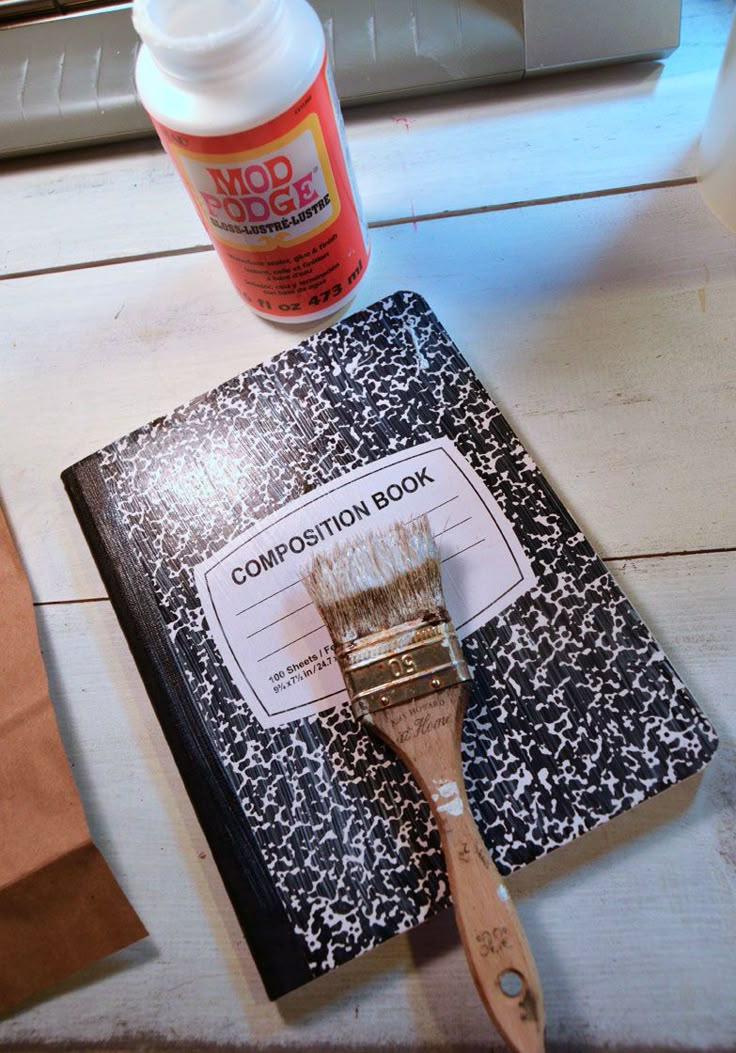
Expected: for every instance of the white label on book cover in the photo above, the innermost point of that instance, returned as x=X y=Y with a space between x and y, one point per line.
x=270 y=635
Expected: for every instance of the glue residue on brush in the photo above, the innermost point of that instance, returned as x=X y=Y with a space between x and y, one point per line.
x=241 y=95
x=448 y=792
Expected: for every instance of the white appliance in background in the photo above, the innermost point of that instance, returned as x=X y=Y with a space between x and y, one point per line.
x=66 y=66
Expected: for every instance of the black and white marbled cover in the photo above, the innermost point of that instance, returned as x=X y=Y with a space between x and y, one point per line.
x=320 y=834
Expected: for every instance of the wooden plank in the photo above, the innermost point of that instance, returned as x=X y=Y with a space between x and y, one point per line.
x=632 y=925
x=603 y=328
x=576 y=133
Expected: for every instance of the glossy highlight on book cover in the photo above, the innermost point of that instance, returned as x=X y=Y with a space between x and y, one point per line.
x=199 y=523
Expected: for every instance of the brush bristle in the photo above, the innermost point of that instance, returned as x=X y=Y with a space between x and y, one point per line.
x=380 y=580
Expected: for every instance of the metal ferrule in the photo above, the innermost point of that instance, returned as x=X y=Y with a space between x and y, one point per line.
x=401 y=663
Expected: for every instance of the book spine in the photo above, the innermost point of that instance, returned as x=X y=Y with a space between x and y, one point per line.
x=277 y=950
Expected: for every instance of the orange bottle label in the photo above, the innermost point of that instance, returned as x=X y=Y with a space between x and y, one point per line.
x=278 y=202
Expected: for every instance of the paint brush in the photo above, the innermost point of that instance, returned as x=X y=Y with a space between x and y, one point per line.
x=381 y=599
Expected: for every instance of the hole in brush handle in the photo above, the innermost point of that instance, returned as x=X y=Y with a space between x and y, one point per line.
x=511 y=983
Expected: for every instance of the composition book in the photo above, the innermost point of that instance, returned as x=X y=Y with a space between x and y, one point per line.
x=200 y=523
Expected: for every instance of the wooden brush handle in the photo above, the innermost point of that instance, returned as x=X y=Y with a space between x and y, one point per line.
x=426 y=735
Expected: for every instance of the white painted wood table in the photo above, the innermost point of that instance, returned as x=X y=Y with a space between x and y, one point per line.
x=556 y=229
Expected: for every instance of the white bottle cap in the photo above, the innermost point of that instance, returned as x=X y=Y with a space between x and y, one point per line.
x=192 y=40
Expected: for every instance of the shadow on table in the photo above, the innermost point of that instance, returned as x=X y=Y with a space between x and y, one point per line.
x=632 y=78
x=104 y=969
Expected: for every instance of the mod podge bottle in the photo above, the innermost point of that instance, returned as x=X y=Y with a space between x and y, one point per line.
x=241 y=95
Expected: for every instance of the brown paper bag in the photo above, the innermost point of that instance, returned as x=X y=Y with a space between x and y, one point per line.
x=60 y=906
